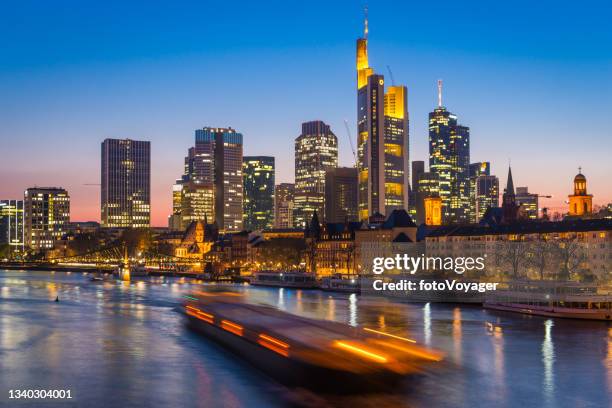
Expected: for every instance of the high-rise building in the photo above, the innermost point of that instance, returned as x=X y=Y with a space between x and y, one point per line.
x=449 y=157
x=528 y=203
x=46 y=216
x=382 y=139
x=580 y=203
x=316 y=152
x=126 y=183
x=486 y=195
x=476 y=170
x=428 y=186
x=283 y=205
x=258 y=175
x=418 y=168
x=341 y=194
x=212 y=185
x=11 y=224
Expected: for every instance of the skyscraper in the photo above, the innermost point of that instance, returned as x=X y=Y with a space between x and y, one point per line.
x=449 y=157
x=258 y=175
x=46 y=215
x=11 y=224
x=212 y=186
x=486 y=195
x=428 y=186
x=382 y=139
x=476 y=170
x=528 y=203
x=283 y=205
x=341 y=194
x=316 y=152
x=126 y=183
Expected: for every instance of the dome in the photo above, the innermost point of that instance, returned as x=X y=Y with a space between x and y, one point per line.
x=579 y=177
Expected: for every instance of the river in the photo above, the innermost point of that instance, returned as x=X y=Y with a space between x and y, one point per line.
x=124 y=345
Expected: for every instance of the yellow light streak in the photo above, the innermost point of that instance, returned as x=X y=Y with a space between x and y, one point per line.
x=361 y=352
x=389 y=335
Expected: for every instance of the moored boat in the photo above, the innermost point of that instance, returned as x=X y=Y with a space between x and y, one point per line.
x=552 y=299
x=300 y=280
x=341 y=283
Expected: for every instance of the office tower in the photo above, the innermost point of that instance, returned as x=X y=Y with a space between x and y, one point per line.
x=126 y=183
x=428 y=185
x=197 y=203
x=11 y=224
x=316 y=151
x=449 y=157
x=212 y=186
x=509 y=206
x=528 y=203
x=46 y=215
x=486 y=195
x=283 y=205
x=174 y=219
x=396 y=162
x=382 y=139
x=258 y=175
x=341 y=194
x=476 y=170
x=580 y=203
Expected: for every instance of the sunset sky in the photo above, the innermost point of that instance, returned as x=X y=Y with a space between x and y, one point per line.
x=532 y=80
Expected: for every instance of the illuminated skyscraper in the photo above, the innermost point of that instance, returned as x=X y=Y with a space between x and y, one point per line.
x=126 y=183
x=11 y=224
x=46 y=215
x=382 y=139
x=449 y=157
x=258 y=175
x=476 y=170
x=212 y=186
x=283 y=205
x=428 y=186
x=341 y=194
x=316 y=152
x=486 y=195
x=528 y=203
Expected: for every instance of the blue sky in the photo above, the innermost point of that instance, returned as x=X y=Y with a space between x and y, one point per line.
x=532 y=80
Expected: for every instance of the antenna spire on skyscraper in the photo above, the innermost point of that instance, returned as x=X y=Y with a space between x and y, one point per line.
x=439 y=93
x=365 y=27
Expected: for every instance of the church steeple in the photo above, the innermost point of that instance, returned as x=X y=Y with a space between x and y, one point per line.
x=510 y=183
x=509 y=207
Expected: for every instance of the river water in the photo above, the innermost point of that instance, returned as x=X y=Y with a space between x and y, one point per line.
x=120 y=345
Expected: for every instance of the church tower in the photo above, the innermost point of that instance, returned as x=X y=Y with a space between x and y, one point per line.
x=580 y=203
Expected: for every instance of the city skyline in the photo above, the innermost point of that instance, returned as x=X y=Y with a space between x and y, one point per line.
x=545 y=125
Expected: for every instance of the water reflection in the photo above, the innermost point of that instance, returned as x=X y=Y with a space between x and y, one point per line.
x=127 y=343
x=548 y=358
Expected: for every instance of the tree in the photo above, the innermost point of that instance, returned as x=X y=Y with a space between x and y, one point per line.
x=512 y=254
x=571 y=255
x=538 y=255
x=284 y=251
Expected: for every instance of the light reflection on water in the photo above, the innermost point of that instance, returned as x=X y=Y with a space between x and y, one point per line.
x=116 y=344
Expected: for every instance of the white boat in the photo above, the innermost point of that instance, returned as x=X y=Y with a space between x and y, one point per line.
x=552 y=299
x=284 y=279
x=341 y=283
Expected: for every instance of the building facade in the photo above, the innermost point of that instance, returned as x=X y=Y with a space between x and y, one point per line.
x=11 y=224
x=449 y=157
x=382 y=139
x=46 y=216
x=283 y=205
x=428 y=186
x=528 y=203
x=476 y=170
x=258 y=205
x=316 y=152
x=486 y=195
x=212 y=184
x=341 y=192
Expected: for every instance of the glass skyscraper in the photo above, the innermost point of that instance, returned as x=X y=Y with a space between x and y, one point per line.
x=283 y=205
x=449 y=158
x=382 y=140
x=316 y=152
x=46 y=215
x=126 y=183
x=11 y=224
x=341 y=195
x=258 y=175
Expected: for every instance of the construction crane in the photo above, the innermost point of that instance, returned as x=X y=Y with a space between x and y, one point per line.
x=350 y=138
x=391 y=75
